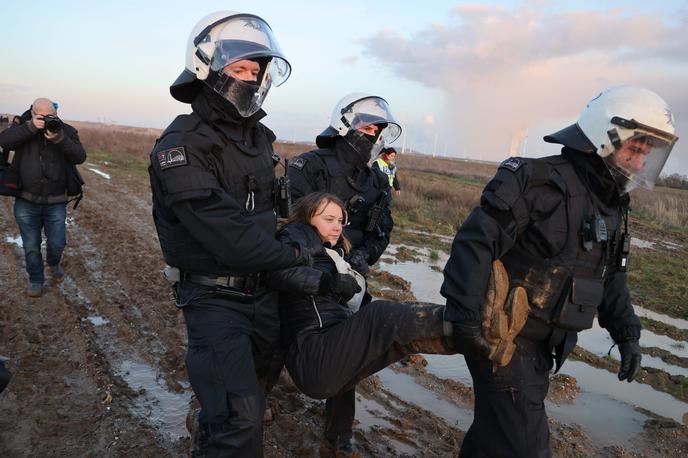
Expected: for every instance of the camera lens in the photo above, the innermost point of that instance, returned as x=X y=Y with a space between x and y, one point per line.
x=52 y=123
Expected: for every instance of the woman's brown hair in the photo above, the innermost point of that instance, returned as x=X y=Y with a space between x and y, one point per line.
x=307 y=207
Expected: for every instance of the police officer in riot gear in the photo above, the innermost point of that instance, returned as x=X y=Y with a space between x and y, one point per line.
x=212 y=178
x=360 y=126
x=559 y=225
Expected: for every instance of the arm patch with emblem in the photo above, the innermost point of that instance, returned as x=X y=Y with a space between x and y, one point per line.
x=172 y=157
x=513 y=164
x=298 y=163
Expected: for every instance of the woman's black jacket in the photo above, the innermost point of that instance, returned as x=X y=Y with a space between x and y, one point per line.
x=303 y=310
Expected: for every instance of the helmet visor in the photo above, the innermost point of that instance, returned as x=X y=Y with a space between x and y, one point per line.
x=248 y=37
x=372 y=110
x=245 y=44
x=639 y=160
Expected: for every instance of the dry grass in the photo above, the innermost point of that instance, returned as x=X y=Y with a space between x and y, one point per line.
x=667 y=207
x=435 y=202
x=437 y=193
x=480 y=171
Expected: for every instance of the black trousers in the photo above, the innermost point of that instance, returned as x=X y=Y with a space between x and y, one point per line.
x=509 y=417
x=340 y=412
x=230 y=348
x=329 y=362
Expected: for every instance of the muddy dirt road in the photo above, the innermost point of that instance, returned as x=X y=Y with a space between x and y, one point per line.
x=98 y=360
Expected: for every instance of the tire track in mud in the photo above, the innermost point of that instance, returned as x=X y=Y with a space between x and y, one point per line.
x=53 y=405
x=119 y=264
x=69 y=361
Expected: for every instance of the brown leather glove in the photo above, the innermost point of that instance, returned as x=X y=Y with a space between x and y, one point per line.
x=504 y=315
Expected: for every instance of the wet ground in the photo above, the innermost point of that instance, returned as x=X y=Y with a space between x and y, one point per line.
x=98 y=360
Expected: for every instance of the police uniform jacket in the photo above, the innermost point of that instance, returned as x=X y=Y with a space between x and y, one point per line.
x=304 y=307
x=339 y=170
x=212 y=179
x=41 y=163
x=538 y=216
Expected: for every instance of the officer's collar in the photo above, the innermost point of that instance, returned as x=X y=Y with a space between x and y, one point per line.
x=595 y=173
x=218 y=111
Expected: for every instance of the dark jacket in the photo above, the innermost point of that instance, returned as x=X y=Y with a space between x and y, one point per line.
x=532 y=216
x=338 y=170
x=212 y=178
x=42 y=164
x=303 y=309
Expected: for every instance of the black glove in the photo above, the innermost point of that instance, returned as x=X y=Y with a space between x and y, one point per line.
x=630 y=360
x=341 y=285
x=467 y=339
x=359 y=261
x=346 y=286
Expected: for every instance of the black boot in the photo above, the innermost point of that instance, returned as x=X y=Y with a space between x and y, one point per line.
x=199 y=436
x=344 y=447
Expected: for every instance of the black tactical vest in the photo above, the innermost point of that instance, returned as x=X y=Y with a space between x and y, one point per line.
x=566 y=287
x=246 y=173
x=359 y=197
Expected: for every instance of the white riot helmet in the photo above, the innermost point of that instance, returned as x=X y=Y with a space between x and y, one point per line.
x=358 y=110
x=221 y=39
x=631 y=128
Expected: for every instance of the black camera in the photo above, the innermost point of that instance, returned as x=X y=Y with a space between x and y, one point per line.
x=52 y=123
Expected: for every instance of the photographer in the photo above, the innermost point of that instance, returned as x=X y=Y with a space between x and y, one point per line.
x=44 y=147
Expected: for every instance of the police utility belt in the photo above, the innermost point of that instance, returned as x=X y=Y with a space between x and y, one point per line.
x=238 y=287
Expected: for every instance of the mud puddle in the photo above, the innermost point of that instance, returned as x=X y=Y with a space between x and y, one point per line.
x=372 y=417
x=152 y=402
x=94 y=168
x=14 y=240
x=650 y=245
x=666 y=319
x=597 y=341
x=161 y=408
x=407 y=389
x=96 y=320
x=603 y=382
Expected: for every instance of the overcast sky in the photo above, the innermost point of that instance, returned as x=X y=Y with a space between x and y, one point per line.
x=478 y=80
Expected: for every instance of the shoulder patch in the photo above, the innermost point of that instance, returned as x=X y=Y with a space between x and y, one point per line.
x=172 y=157
x=513 y=164
x=298 y=163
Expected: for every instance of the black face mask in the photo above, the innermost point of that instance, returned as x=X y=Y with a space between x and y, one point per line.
x=372 y=138
x=239 y=93
x=362 y=144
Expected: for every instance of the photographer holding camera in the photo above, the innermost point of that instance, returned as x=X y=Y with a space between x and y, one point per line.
x=44 y=148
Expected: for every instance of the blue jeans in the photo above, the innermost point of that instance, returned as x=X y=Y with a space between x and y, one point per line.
x=31 y=218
